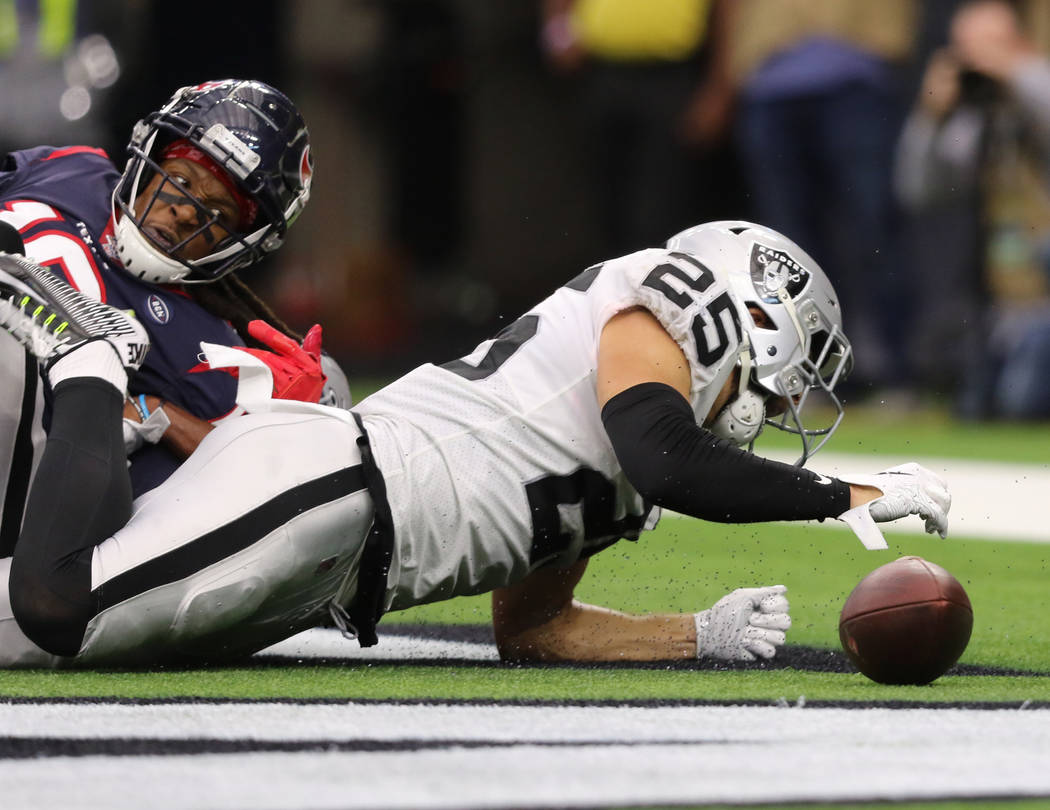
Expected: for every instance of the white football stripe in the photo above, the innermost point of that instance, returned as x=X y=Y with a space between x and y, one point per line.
x=325 y=643
x=690 y=754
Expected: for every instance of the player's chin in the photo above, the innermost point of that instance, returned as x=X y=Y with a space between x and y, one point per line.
x=775 y=406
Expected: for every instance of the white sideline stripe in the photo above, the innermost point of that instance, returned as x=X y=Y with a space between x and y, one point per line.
x=691 y=754
x=326 y=643
x=990 y=499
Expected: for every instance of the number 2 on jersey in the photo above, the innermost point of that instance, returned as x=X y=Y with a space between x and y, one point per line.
x=708 y=351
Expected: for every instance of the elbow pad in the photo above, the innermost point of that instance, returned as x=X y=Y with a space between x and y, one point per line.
x=675 y=463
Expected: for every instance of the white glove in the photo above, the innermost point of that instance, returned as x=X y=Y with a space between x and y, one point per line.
x=909 y=489
x=138 y=433
x=746 y=623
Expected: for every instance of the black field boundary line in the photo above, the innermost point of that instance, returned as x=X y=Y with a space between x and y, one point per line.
x=44 y=747
x=803 y=659
x=790 y=656
x=983 y=705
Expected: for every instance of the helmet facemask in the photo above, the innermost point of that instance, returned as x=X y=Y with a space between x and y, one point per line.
x=253 y=140
x=153 y=259
x=794 y=352
x=806 y=384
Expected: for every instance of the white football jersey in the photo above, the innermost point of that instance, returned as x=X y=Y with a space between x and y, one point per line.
x=498 y=463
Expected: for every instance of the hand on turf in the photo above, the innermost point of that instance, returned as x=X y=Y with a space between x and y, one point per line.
x=743 y=625
x=909 y=489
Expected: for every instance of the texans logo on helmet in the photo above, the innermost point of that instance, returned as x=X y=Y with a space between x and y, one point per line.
x=773 y=270
x=306 y=168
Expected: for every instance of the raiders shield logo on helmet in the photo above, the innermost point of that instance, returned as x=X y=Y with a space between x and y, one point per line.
x=773 y=269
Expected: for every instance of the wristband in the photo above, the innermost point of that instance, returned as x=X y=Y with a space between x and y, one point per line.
x=149 y=430
x=141 y=407
x=703 y=622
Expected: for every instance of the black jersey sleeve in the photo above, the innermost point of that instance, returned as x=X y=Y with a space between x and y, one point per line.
x=674 y=462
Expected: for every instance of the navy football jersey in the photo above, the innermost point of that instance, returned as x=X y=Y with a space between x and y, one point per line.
x=59 y=200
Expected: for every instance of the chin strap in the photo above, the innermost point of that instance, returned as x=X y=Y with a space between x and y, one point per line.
x=741 y=419
x=745 y=363
x=789 y=307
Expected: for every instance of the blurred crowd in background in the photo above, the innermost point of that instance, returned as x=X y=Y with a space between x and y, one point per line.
x=471 y=156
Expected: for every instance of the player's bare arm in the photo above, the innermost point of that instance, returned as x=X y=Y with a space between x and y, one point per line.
x=183 y=431
x=538 y=619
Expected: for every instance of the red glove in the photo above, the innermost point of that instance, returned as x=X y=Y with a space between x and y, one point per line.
x=296 y=369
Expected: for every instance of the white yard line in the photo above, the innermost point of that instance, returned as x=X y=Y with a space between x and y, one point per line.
x=543 y=756
x=327 y=643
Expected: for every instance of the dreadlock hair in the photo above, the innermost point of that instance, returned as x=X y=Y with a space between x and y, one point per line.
x=232 y=300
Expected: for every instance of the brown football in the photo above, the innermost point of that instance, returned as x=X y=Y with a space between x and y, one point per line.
x=906 y=622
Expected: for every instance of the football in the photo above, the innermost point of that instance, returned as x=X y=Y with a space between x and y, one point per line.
x=906 y=622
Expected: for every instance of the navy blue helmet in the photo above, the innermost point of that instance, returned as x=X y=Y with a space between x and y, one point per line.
x=247 y=134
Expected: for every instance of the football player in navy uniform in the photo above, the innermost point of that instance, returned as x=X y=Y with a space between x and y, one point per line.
x=632 y=388
x=213 y=181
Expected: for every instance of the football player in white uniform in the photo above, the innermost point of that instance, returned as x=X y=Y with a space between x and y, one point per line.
x=627 y=390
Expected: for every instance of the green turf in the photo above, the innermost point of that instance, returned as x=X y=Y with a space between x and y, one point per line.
x=501 y=682
x=685 y=565
x=931 y=431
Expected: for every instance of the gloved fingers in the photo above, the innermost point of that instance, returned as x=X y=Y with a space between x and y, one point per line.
x=771 y=621
x=312 y=341
x=774 y=603
x=941 y=497
x=761 y=649
x=928 y=478
x=936 y=517
x=763 y=646
x=941 y=500
x=276 y=340
x=756 y=595
x=937 y=524
x=737 y=600
x=743 y=655
x=776 y=637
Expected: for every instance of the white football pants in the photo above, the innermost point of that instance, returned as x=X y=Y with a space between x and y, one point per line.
x=245 y=544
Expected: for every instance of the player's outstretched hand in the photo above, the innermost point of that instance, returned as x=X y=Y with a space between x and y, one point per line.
x=296 y=369
x=909 y=489
x=746 y=624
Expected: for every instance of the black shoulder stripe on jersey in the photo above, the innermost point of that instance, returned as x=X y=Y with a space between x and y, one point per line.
x=235 y=536
x=584 y=280
x=504 y=345
x=21 y=467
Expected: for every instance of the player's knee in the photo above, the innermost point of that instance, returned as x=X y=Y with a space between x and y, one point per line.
x=49 y=619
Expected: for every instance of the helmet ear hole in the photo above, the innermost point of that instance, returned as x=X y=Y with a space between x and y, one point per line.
x=759 y=317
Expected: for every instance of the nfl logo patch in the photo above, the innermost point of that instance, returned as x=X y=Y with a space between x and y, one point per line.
x=158 y=309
